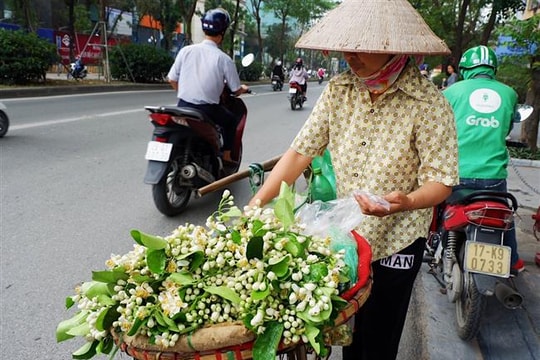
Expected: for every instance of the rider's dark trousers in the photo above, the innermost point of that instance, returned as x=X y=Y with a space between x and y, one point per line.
x=221 y=116
x=379 y=322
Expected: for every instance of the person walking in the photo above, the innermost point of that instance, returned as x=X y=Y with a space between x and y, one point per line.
x=484 y=110
x=376 y=119
x=200 y=72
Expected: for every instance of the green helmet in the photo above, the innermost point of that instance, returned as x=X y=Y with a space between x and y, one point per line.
x=478 y=56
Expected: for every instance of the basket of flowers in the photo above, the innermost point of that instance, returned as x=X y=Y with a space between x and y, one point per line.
x=247 y=285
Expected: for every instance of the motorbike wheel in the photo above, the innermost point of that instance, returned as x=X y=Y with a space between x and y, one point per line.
x=293 y=102
x=170 y=198
x=4 y=123
x=469 y=307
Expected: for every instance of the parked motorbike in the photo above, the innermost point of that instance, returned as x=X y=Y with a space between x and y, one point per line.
x=277 y=84
x=77 y=70
x=466 y=254
x=185 y=152
x=296 y=98
x=4 y=120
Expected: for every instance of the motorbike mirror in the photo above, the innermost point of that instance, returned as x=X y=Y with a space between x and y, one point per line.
x=248 y=59
x=523 y=112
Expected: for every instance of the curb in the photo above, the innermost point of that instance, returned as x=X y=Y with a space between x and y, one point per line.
x=526 y=162
x=76 y=89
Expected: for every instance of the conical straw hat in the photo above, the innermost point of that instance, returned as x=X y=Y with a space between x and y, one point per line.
x=373 y=26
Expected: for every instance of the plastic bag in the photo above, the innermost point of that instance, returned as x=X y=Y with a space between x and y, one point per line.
x=335 y=218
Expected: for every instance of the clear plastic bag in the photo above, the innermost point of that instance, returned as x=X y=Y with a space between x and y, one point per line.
x=336 y=219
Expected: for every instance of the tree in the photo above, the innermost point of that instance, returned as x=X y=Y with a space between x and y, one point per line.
x=466 y=23
x=525 y=34
x=256 y=8
x=302 y=11
x=24 y=14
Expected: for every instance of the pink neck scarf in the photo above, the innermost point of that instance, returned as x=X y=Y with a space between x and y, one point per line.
x=380 y=81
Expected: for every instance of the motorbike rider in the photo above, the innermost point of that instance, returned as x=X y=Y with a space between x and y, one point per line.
x=484 y=110
x=278 y=70
x=79 y=66
x=299 y=75
x=199 y=74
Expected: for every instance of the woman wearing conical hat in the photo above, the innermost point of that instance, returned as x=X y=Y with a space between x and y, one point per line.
x=391 y=133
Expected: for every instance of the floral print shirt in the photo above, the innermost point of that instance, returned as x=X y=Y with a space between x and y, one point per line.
x=402 y=140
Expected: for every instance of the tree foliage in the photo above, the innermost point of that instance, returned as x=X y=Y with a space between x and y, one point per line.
x=141 y=63
x=525 y=34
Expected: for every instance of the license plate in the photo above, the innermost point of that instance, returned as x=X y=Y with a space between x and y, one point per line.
x=158 y=151
x=292 y=91
x=487 y=258
x=274 y=82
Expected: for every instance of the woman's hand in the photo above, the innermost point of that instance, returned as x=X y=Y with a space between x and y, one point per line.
x=399 y=201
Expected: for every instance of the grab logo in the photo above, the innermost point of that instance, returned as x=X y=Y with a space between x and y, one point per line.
x=484 y=122
x=485 y=101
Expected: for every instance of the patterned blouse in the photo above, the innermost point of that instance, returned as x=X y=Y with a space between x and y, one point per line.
x=402 y=140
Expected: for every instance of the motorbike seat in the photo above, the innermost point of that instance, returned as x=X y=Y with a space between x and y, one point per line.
x=466 y=196
x=186 y=111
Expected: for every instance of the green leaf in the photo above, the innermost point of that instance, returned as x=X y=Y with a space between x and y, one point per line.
x=257 y=228
x=136 y=325
x=266 y=344
x=224 y=292
x=96 y=289
x=80 y=330
x=169 y=323
x=110 y=276
x=254 y=248
x=182 y=278
x=87 y=351
x=236 y=237
x=260 y=295
x=312 y=332
x=317 y=272
x=294 y=247
x=232 y=212
x=280 y=267
x=150 y=241
x=66 y=325
x=105 y=345
x=69 y=302
x=156 y=260
x=284 y=212
x=105 y=300
x=197 y=258
x=106 y=318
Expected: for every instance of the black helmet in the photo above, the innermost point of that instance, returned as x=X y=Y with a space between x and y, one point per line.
x=215 y=21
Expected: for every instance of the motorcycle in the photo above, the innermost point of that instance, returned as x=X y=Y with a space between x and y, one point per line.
x=4 y=120
x=185 y=151
x=465 y=252
x=296 y=98
x=77 y=70
x=277 y=83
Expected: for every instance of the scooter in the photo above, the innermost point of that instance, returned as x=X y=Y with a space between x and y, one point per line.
x=466 y=254
x=185 y=152
x=296 y=97
x=277 y=83
x=77 y=70
x=4 y=120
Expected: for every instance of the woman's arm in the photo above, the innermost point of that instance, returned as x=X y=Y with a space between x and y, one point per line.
x=287 y=169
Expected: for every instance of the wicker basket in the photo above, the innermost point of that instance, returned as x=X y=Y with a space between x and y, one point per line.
x=136 y=348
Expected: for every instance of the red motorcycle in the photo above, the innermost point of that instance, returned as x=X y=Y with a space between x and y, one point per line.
x=296 y=95
x=466 y=254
